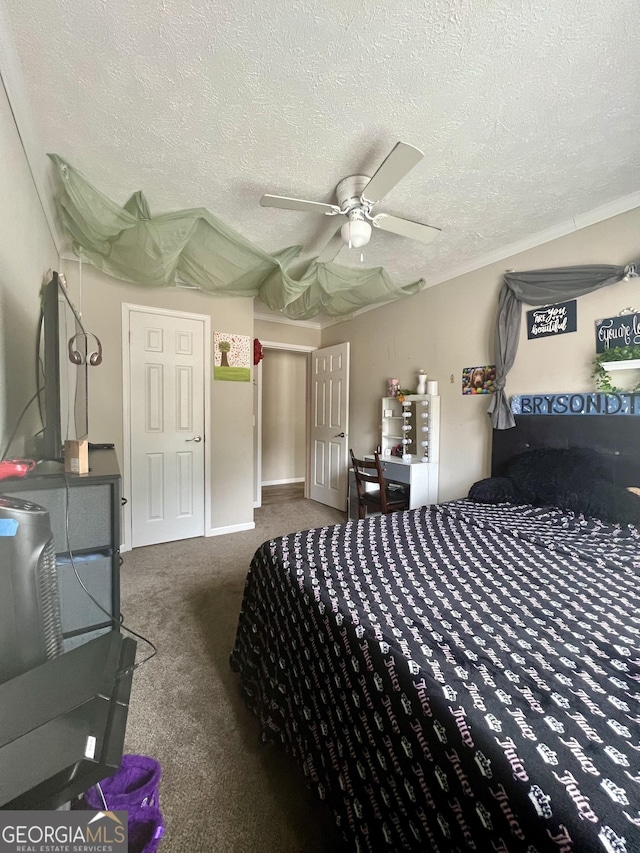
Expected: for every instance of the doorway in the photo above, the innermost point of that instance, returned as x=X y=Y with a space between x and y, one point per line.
x=326 y=406
x=281 y=406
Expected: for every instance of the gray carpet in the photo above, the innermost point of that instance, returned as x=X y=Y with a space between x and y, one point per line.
x=222 y=790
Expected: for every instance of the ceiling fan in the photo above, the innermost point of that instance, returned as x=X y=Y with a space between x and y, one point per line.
x=356 y=195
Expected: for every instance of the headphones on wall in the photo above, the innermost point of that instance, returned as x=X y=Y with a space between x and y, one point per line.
x=76 y=357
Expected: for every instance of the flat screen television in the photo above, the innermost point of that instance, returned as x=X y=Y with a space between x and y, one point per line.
x=64 y=404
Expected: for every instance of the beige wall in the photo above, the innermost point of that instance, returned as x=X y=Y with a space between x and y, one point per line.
x=450 y=326
x=231 y=438
x=26 y=253
x=287 y=333
x=284 y=406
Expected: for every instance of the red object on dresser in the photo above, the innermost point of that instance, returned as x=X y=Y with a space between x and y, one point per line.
x=16 y=467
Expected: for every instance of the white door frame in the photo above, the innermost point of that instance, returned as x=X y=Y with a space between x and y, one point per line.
x=258 y=416
x=257 y=445
x=127 y=308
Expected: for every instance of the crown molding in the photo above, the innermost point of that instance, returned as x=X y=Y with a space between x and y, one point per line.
x=570 y=226
x=288 y=347
x=17 y=95
x=577 y=223
x=272 y=318
x=607 y=211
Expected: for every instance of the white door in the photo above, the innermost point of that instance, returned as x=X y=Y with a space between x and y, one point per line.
x=330 y=425
x=166 y=363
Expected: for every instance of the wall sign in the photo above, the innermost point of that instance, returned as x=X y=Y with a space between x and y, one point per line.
x=552 y=320
x=576 y=404
x=620 y=331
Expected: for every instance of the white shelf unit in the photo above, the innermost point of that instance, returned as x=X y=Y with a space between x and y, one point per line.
x=416 y=422
x=630 y=364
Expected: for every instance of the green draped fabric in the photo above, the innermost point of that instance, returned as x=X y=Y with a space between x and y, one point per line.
x=194 y=247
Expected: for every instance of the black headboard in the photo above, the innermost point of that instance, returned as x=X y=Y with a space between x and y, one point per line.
x=615 y=436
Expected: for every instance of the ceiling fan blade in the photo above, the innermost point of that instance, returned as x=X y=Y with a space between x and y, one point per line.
x=406 y=227
x=396 y=165
x=298 y=204
x=331 y=250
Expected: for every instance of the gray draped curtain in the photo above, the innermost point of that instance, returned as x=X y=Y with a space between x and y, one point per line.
x=538 y=287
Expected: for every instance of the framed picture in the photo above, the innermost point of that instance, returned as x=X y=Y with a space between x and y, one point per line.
x=232 y=357
x=479 y=380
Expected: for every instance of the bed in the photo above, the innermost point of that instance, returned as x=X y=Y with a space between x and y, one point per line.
x=464 y=676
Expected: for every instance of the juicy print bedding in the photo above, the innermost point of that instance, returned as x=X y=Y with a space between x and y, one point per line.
x=458 y=677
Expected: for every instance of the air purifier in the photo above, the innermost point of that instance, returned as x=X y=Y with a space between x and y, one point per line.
x=30 y=620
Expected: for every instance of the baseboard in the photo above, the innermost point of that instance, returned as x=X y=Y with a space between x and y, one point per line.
x=213 y=531
x=282 y=482
x=231 y=528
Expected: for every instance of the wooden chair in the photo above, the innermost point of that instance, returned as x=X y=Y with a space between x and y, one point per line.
x=379 y=499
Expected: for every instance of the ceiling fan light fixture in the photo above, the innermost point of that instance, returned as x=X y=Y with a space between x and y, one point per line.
x=356 y=195
x=356 y=233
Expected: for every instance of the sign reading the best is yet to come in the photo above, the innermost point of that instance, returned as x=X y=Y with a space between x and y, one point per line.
x=620 y=331
x=551 y=320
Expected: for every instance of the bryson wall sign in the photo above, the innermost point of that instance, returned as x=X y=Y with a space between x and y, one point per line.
x=576 y=404
x=551 y=320
x=620 y=331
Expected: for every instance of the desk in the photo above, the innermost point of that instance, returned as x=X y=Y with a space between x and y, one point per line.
x=421 y=477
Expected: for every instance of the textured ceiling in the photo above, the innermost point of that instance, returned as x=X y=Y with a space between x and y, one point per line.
x=527 y=112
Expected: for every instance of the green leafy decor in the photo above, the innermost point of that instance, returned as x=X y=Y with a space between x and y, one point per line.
x=603 y=378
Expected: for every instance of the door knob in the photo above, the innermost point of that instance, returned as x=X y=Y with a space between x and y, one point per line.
x=196 y=438
x=339 y=435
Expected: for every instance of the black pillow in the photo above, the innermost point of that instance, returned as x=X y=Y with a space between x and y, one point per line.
x=493 y=490
x=604 y=501
x=575 y=478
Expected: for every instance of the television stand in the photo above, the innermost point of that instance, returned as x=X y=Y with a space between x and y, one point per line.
x=92 y=502
x=62 y=724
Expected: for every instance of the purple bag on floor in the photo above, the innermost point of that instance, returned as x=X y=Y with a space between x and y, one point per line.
x=146 y=828
x=134 y=787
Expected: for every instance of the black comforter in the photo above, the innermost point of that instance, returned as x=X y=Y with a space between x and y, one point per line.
x=458 y=677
